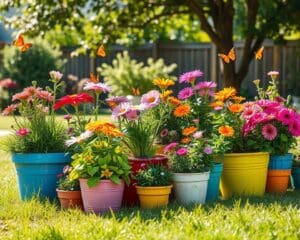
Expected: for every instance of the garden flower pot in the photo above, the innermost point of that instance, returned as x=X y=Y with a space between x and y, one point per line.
x=190 y=187
x=105 y=196
x=278 y=180
x=296 y=177
x=153 y=197
x=37 y=173
x=130 y=196
x=244 y=174
x=281 y=161
x=70 y=199
x=213 y=187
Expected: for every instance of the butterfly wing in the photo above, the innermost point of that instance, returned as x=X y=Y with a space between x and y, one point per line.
x=26 y=46
x=259 y=53
x=135 y=91
x=19 y=42
x=94 y=78
x=101 y=51
x=224 y=57
x=231 y=54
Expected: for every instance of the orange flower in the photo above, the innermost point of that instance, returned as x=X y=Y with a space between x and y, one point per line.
x=182 y=110
x=105 y=128
x=174 y=101
x=216 y=104
x=235 y=108
x=185 y=140
x=238 y=99
x=225 y=94
x=189 y=130
x=226 y=131
x=106 y=173
x=164 y=96
x=163 y=83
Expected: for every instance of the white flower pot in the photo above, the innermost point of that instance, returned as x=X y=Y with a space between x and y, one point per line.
x=190 y=187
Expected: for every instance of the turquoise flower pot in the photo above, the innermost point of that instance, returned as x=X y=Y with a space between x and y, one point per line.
x=37 y=173
x=214 y=182
x=296 y=177
x=281 y=161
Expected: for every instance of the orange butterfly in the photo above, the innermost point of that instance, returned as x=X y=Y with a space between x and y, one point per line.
x=94 y=78
x=19 y=42
x=101 y=51
x=259 y=53
x=136 y=91
x=229 y=56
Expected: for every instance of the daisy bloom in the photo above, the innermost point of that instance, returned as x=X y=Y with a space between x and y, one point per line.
x=97 y=87
x=73 y=100
x=121 y=109
x=132 y=114
x=55 y=75
x=22 y=132
x=170 y=147
x=269 y=131
x=208 y=150
x=101 y=127
x=198 y=134
x=21 y=96
x=294 y=127
x=182 y=110
x=9 y=109
x=185 y=93
x=189 y=130
x=190 y=77
x=44 y=95
x=218 y=105
x=150 y=99
x=67 y=117
x=112 y=102
x=164 y=96
x=226 y=131
x=182 y=151
x=106 y=173
x=286 y=115
x=164 y=132
x=78 y=139
x=273 y=74
x=205 y=85
x=8 y=83
x=185 y=140
x=225 y=94
x=238 y=99
x=163 y=83
x=235 y=108
x=174 y=101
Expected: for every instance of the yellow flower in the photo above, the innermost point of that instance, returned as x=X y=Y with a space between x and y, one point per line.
x=235 y=108
x=89 y=158
x=238 y=99
x=118 y=149
x=106 y=173
x=164 y=96
x=163 y=83
x=105 y=128
x=225 y=94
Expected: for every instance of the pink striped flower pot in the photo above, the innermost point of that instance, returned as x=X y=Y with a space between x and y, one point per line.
x=104 y=196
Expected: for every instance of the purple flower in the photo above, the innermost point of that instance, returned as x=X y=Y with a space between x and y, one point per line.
x=98 y=87
x=150 y=99
x=182 y=151
x=121 y=109
x=185 y=93
x=208 y=150
x=170 y=147
x=132 y=114
x=189 y=77
x=164 y=132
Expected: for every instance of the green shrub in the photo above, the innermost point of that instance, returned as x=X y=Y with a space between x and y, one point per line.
x=126 y=73
x=32 y=65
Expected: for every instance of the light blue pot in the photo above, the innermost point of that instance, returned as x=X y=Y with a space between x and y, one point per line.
x=37 y=173
x=296 y=177
x=214 y=182
x=281 y=161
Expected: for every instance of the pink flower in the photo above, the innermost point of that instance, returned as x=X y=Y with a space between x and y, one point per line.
x=294 y=127
x=132 y=114
x=269 y=131
x=186 y=93
x=170 y=147
x=97 y=87
x=182 y=151
x=286 y=115
x=198 y=134
x=21 y=96
x=9 y=110
x=44 y=95
x=208 y=150
x=22 y=132
x=273 y=73
x=164 y=132
x=8 y=83
x=79 y=139
x=190 y=77
x=279 y=99
x=55 y=75
x=67 y=169
x=150 y=99
x=67 y=117
x=121 y=109
x=250 y=110
x=205 y=85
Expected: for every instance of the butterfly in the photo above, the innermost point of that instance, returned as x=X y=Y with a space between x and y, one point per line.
x=101 y=51
x=94 y=78
x=259 y=53
x=19 y=42
x=135 y=91
x=229 y=56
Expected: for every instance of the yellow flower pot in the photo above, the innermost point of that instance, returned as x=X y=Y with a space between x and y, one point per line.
x=244 y=174
x=152 y=197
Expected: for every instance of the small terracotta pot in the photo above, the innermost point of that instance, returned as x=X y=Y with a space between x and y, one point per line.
x=277 y=181
x=70 y=199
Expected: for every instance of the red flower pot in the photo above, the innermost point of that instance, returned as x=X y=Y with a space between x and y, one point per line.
x=130 y=195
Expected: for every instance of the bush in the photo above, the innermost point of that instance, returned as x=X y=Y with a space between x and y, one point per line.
x=126 y=73
x=32 y=65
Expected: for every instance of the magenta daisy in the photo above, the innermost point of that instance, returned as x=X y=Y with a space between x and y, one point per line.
x=182 y=151
x=98 y=87
x=294 y=127
x=150 y=99
x=22 y=132
x=205 y=85
x=170 y=147
x=269 y=131
x=190 y=77
x=185 y=93
x=132 y=115
x=286 y=116
x=121 y=109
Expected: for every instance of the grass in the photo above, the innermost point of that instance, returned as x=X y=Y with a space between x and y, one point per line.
x=271 y=217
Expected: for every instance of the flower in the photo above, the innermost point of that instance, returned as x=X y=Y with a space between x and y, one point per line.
x=45 y=95
x=225 y=94
x=67 y=117
x=208 y=150
x=189 y=130
x=164 y=96
x=170 y=147
x=150 y=99
x=22 y=132
x=163 y=83
x=55 y=75
x=286 y=116
x=105 y=128
x=115 y=101
x=190 y=77
x=9 y=109
x=235 y=108
x=174 y=101
x=97 y=87
x=132 y=114
x=8 y=83
x=185 y=93
x=238 y=99
x=273 y=73
x=106 y=173
x=205 y=85
x=73 y=100
x=294 y=127
x=186 y=140
x=121 y=109
x=198 y=134
x=182 y=110
x=269 y=131
x=164 y=132
x=226 y=131
x=79 y=139
x=21 y=96
x=182 y=151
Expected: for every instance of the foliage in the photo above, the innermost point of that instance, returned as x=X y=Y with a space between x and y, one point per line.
x=32 y=65
x=154 y=176
x=64 y=182
x=126 y=74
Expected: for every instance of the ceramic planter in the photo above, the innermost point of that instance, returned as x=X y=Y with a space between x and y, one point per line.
x=281 y=161
x=244 y=174
x=130 y=196
x=213 y=187
x=105 y=196
x=153 y=197
x=190 y=187
x=296 y=177
x=278 y=180
x=37 y=173
x=70 y=199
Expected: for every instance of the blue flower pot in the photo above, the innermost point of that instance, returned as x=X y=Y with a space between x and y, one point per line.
x=296 y=177
x=281 y=162
x=212 y=193
x=37 y=173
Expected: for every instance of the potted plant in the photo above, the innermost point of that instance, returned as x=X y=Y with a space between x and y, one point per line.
x=68 y=191
x=153 y=186
x=37 y=140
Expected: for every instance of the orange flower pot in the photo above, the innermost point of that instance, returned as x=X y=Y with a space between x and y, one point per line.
x=277 y=181
x=70 y=199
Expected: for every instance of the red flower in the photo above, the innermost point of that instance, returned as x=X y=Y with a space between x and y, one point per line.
x=73 y=100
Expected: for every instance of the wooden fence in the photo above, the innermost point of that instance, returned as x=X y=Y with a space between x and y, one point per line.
x=203 y=56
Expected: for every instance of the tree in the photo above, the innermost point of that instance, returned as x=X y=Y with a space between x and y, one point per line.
x=112 y=20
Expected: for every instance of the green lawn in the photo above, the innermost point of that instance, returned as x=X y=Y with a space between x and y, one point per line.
x=271 y=217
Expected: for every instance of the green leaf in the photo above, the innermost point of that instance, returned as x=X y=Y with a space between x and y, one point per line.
x=115 y=179
x=92 y=170
x=92 y=182
x=283 y=138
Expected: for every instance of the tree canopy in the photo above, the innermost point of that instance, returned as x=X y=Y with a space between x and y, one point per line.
x=129 y=21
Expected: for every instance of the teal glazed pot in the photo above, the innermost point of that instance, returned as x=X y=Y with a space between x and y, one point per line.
x=213 y=187
x=281 y=161
x=296 y=177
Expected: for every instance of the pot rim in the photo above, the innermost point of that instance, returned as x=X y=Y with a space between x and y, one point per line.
x=246 y=154
x=155 y=157
x=196 y=173
x=58 y=190
x=102 y=180
x=154 y=187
